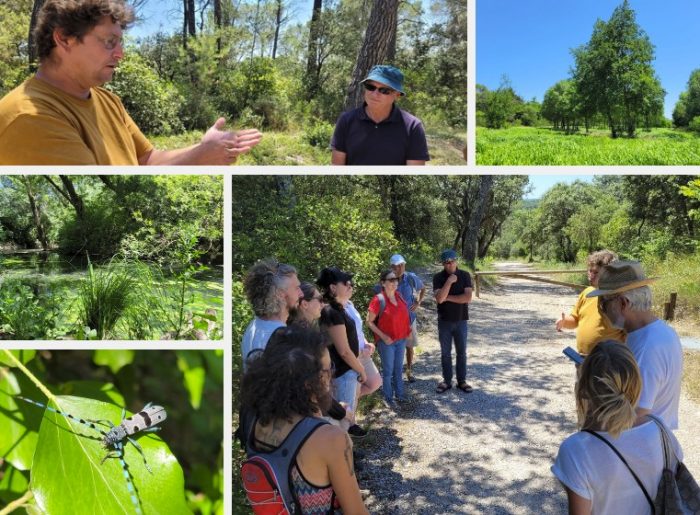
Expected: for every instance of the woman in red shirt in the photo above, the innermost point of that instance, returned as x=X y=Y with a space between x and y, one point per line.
x=389 y=321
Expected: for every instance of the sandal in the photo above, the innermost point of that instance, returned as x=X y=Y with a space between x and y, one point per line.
x=465 y=387
x=443 y=387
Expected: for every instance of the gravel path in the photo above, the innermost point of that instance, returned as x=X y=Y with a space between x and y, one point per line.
x=488 y=452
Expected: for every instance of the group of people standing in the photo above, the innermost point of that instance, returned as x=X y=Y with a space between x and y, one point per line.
x=627 y=388
x=287 y=311
x=627 y=393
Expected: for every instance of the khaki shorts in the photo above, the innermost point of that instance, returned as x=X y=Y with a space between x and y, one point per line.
x=412 y=340
x=370 y=368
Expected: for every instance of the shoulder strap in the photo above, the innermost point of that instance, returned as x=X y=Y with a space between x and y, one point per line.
x=382 y=306
x=282 y=458
x=646 y=494
x=669 y=452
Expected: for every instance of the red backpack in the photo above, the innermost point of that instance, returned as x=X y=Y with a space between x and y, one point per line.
x=266 y=475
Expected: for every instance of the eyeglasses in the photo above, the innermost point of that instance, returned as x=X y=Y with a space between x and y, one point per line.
x=110 y=43
x=372 y=87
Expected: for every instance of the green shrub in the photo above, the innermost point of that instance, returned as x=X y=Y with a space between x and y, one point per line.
x=98 y=232
x=152 y=102
x=104 y=297
x=694 y=124
x=25 y=315
x=319 y=134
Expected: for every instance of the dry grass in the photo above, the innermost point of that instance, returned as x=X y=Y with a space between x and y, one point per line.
x=691 y=374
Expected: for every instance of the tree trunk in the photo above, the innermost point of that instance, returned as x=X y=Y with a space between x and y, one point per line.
x=278 y=25
x=69 y=194
x=33 y=64
x=313 y=65
x=36 y=212
x=375 y=47
x=218 y=22
x=471 y=239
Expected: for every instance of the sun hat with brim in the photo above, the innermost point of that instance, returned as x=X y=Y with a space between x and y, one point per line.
x=619 y=277
x=448 y=255
x=332 y=275
x=397 y=259
x=389 y=75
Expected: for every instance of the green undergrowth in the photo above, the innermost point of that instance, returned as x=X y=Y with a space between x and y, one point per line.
x=291 y=148
x=544 y=146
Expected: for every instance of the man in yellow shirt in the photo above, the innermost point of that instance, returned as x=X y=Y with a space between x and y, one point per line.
x=591 y=327
x=61 y=116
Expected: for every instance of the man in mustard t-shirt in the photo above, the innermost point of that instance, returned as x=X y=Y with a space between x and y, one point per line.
x=591 y=327
x=61 y=115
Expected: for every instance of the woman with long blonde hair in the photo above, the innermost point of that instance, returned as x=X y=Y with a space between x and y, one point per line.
x=590 y=462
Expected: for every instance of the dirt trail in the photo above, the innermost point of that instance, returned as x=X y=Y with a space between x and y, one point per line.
x=489 y=451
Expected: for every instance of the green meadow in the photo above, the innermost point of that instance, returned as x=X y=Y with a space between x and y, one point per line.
x=545 y=146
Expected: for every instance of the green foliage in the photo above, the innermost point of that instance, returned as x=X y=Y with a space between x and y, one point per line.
x=539 y=146
x=24 y=314
x=319 y=134
x=13 y=59
x=687 y=108
x=694 y=124
x=31 y=436
x=614 y=75
x=152 y=102
x=256 y=85
x=104 y=297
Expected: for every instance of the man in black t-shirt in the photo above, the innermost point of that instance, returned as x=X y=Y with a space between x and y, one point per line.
x=452 y=289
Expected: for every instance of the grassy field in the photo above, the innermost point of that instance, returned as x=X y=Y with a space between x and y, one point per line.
x=544 y=146
x=290 y=148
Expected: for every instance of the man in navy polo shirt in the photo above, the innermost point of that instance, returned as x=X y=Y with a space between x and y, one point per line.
x=379 y=133
x=452 y=289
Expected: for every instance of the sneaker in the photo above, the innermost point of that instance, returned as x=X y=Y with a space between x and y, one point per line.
x=357 y=432
x=410 y=377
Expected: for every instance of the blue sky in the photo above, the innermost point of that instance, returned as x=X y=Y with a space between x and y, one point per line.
x=530 y=40
x=542 y=183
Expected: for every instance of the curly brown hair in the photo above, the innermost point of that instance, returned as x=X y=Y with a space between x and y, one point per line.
x=75 y=18
x=285 y=379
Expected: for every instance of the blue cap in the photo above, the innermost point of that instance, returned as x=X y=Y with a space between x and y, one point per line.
x=397 y=259
x=448 y=254
x=389 y=75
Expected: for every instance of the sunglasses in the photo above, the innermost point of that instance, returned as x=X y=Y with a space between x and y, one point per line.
x=372 y=87
x=392 y=279
x=449 y=261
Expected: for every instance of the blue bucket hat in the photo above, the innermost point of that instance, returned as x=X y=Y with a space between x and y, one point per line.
x=447 y=255
x=389 y=75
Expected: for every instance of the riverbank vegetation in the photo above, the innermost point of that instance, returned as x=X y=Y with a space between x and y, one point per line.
x=102 y=257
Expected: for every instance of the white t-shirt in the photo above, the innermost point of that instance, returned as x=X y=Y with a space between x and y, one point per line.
x=257 y=335
x=593 y=471
x=658 y=352
x=355 y=315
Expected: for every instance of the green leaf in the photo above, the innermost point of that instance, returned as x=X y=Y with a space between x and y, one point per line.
x=190 y=364
x=23 y=355
x=69 y=477
x=19 y=421
x=12 y=485
x=114 y=359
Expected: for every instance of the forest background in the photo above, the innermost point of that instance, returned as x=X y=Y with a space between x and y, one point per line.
x=260 y=65
x=358 y=222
